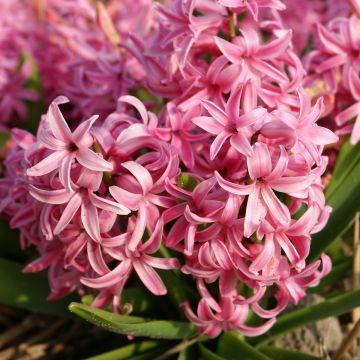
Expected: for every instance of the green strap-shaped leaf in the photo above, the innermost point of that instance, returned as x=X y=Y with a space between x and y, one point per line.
x=231 y=346
x=28 y=291
x=334 y=306
x=343 y=196
x=145 y=350
x=136 y=326
x=206 y=354
x=283 y=354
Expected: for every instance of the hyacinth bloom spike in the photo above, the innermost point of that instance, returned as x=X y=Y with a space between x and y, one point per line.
x=223 y=147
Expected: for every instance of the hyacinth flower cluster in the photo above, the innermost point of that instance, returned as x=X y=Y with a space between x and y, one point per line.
x=221 y=169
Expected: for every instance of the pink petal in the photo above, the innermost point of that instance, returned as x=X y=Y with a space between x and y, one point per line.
x=275 y=48
x=241 y=144
x=113 y=277
x=96 y=259
x=259 y=165
x=329 y=41
x=138 y=105
x=208 y=124
x=276 y=208
x=218 y=114
x=149 y=278
x=48 y=164
x=68 y=213
x=141 y=174
x=92 y=161
x=218 y=143
x=58 y=125
x=291 y=184
x=108 y=205
x=139 y=229
x=236 y=189
x=125 y=198
x=61 y=196
x=90 y=220
x=83 y=129
x=229 y=50
x=159 y=263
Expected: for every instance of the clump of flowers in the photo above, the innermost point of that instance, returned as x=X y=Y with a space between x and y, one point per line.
x=224 y=174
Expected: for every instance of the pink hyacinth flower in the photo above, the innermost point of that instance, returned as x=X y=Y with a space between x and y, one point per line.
x=229 y=124
x=67 y=146
x=266 y=178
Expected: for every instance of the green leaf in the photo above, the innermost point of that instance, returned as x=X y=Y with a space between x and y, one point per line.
x=231 y=345
x=28 y=291
x=334 y=306
x=342 y=195
x=9 y=242
x=283 y=354
x=189 y=353
x=206 y=354
x=4 y=137
x=145 y=350
x=136 y=326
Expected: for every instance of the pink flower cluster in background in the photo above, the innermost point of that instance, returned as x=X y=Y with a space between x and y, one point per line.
x=214 y=168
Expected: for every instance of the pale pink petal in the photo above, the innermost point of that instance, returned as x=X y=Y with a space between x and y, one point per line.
x=90 y=220
x=139 y=229
x=68 y=213
x=141 y=174
x=108 y=205
x=236 y=189
x=241 y=144
x=232 y=52
x=113 y=277
x=138 y=105
x=275 y=48
x=259 y=165
x=149 y=278
x=208 y=124
x=218 y=143
x=83 y=129
x=92 y=161
x=61 y=196
x=48 y=164
x=125 y=198
x=58 y=125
